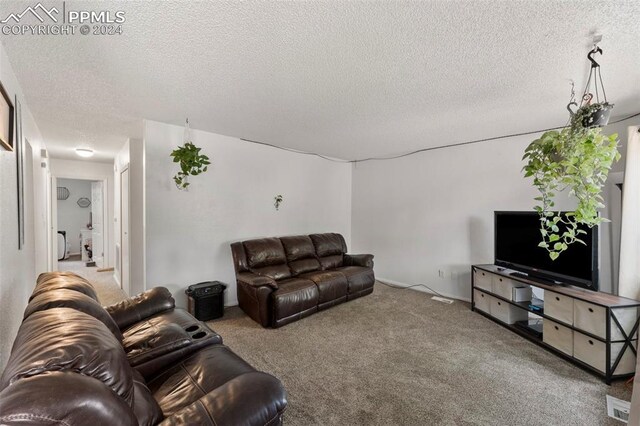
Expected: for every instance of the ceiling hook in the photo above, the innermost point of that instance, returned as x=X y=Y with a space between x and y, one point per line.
x=595 y=50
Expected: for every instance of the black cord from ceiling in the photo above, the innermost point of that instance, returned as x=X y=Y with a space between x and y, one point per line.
x=418 y=151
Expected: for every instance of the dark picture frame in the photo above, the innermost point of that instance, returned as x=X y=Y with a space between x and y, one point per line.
x=19 y=148
x=6 y=120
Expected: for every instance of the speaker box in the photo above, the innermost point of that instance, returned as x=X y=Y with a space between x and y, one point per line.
x=206 y=300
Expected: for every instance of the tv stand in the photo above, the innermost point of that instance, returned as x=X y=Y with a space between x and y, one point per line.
x=596 y=331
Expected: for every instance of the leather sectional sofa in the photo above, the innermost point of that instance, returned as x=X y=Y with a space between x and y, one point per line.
x=139 y=362
x=281 y=280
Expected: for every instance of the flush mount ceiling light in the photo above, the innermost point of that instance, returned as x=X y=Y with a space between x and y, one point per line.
x=84 y=152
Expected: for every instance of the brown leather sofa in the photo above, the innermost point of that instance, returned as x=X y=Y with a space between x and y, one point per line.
x=139 y=362
x=281 y=280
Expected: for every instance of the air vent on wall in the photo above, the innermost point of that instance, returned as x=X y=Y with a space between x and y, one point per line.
x=63 y=193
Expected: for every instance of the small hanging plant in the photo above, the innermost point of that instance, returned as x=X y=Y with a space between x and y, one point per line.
x=277 y=200
x=191 y=162
x=578 y=159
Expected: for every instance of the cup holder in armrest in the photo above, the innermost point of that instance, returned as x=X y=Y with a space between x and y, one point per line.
x=192 y=328
x=199 y=335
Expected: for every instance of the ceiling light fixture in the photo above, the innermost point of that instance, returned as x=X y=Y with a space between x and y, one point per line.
x=84 y=152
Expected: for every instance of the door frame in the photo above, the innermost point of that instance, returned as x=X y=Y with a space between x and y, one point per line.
x=53 y=216
x=128 y=230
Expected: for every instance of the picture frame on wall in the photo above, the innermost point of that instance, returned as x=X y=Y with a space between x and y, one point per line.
x=6 y=120
x=19 y=149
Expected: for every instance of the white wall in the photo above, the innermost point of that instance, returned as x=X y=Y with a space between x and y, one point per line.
x=434 y=211
x=18 y=268
x=81 y=169
x=71 y=217
x=137 y=185
x=188 y=233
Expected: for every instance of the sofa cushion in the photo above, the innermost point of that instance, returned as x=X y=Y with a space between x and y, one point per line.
x=63 y=398
x=301 y=254
x=294 y=296
x=263 y=401
x=301 y=266
x=331 y=262
x=298 y=247
x=145 y=406
x=276 y=272
x=65 y=298
x=264 y=252
x=63 y=339
x=358 y=277
x=55 y=280
x=328 y=244
x=331 y=285
x=194 y=377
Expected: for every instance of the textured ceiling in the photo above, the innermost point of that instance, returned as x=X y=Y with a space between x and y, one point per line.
x=346 y=79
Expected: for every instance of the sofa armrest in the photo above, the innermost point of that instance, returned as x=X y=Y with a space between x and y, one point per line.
x=364 y=260
x=144 y=305
x=256 y=280
x=254 y=398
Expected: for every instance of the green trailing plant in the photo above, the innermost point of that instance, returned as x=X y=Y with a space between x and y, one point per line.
x=192 y=163
x=576 y=159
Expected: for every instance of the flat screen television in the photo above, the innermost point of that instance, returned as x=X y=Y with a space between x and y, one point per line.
x=517 y=235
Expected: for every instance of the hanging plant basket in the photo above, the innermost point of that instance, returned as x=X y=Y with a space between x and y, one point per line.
x=594 y=115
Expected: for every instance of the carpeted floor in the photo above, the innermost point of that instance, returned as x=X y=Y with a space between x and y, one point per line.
x=106 y=287
x=397 y=357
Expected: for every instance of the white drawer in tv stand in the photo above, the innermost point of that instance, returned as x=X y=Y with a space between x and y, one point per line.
x=596 y=331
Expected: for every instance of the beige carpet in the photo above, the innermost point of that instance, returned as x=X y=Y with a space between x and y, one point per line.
x=398 y=358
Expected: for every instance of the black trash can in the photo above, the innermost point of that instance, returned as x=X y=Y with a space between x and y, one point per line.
x=206 y=300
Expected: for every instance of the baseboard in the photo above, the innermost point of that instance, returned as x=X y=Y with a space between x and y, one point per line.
x=423 y=289
x=117 y=279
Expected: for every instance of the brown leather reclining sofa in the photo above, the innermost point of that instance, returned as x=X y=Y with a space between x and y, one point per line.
x=281 y=280
x=139 y=362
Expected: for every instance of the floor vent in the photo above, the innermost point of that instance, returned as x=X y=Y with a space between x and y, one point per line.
x=618 y=409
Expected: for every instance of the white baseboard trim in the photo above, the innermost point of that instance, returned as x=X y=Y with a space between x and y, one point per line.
x=116 y=278
x=423 y=289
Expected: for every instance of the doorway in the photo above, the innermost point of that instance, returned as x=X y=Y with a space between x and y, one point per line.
x=79 y=219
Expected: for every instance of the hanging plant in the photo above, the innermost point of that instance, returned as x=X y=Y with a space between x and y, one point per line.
x=578 y=159
x=277 y=200
x=191 y=162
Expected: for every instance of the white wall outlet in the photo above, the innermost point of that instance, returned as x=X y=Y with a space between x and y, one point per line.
x=440 y=273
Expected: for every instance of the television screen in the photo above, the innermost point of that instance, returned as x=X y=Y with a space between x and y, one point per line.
x=517 y=235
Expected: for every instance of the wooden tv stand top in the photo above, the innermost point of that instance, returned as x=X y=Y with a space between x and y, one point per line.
x=596 y=297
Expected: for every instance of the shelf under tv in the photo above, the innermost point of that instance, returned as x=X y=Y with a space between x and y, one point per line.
x=596 y=331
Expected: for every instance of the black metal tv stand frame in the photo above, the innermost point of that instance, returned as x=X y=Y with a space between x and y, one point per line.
x=595 y=331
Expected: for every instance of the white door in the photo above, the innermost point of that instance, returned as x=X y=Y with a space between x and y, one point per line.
x=53 y=223
x=124 y=225
x=97 y=215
